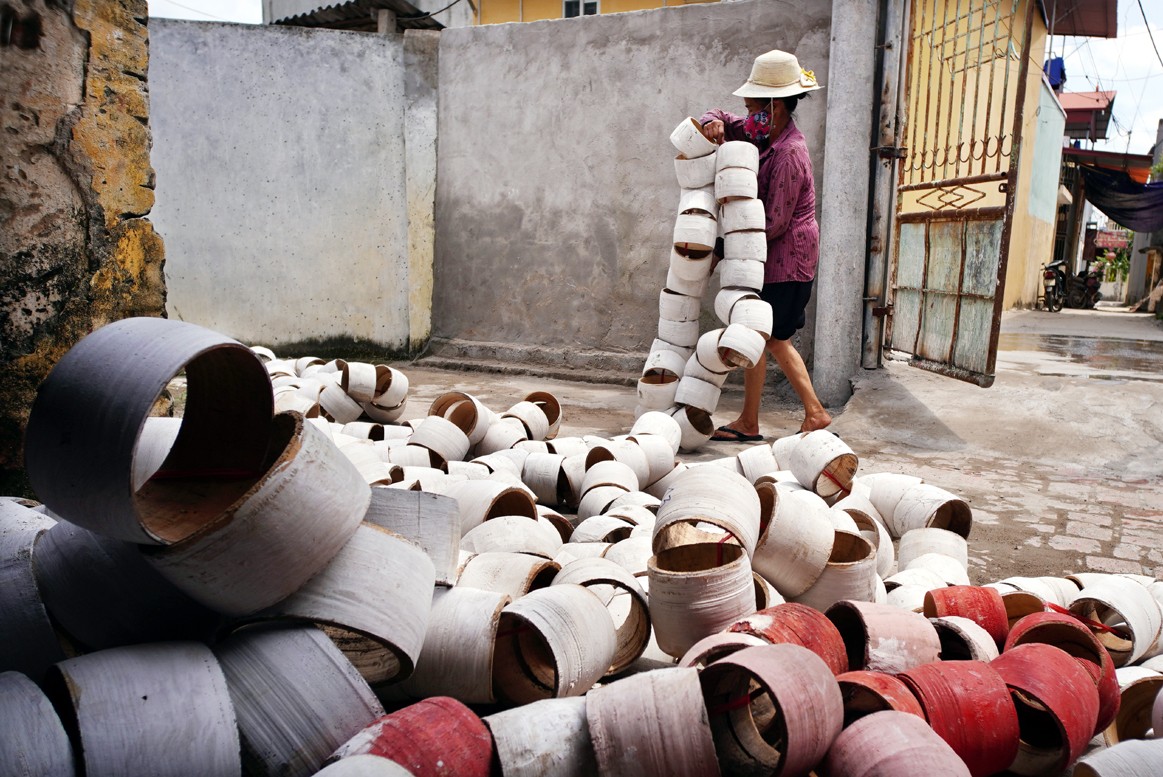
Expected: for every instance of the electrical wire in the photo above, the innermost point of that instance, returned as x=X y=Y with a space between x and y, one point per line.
x=1149 y=33
x=427 y=15
x=194 y=10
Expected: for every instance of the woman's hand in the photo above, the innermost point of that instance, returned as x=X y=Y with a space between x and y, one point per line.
x=714 y=131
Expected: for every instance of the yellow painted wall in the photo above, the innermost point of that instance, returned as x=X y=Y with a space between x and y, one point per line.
x=619 y=6
x=1031 y=238
x=501 y=11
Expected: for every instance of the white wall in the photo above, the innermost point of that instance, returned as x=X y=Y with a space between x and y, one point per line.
x=281 y=191
x=556 y=193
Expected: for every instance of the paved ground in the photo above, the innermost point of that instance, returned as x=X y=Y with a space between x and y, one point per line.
x=1060 y=459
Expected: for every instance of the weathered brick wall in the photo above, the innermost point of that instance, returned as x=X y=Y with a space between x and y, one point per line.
x=75 y=249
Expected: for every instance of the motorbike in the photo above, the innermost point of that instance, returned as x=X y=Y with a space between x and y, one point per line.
x=1054 y=285
x=1082 y=291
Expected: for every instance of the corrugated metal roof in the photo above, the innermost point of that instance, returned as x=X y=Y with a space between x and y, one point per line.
x=1086 y=101
x=1088 y=18
x=360 y=15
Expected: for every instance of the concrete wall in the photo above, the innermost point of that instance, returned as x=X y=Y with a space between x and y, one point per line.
x=1035 y=213
x=282 y=195
x=555 y=190
x=76 y=248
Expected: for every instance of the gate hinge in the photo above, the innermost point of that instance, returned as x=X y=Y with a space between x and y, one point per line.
x=890 y=152
x=882 y=312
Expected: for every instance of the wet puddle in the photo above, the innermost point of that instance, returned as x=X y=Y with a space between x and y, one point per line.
x=1098 y=358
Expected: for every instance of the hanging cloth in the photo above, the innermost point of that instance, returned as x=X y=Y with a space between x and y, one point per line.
x=1133 y=205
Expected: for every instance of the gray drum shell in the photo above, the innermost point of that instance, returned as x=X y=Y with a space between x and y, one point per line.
x=373 y=600
x=159 y=709
x=34 y=740
x=89 y=412
x=30 y=643
x=432 y=521
x=544 y=737
x=297 y=698
x=104 y=594
x=662 y=707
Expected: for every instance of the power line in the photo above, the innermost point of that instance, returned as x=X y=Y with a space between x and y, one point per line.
x=1149 y=33
x=195 y=10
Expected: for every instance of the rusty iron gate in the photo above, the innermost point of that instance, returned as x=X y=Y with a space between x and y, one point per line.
x=966 y=83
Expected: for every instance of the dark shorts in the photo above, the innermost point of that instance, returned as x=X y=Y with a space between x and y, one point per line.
x=788 y=300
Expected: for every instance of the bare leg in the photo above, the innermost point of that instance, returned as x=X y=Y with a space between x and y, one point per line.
x=748 y=420
x=792 y=364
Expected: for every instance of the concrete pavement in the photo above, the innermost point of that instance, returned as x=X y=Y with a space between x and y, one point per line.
x=1060 y=459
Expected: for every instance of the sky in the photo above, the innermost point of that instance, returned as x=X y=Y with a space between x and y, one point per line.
x=245 y=11
x=1128 y=65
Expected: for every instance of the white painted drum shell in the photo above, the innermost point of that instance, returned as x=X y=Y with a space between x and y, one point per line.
x=697 y=427
x=358 y=379
x=689 y=140
x=432 y=521
x=442 y=437
x=742 y=215
x=818 y=453
x=735 y=183
x=707 y=352
x=737 y=153
x=713 y=495
x=727 y=299
x=532 y=416
x=457 y=657
x=754 y=314
x=691 y=288
x=749 y=245
x=695 y=232
x=664 y=707
x=678 y=307
x=695 y=173
x=377 y=591
x=512 y=533
x=695 y=369
x=285 y=530
x=690 y=269
x=741 y=274
x=661 y=424
x=697 y=393
x=656 y=396
x=578 y=633
x=701 y=200
x=741 y=346
x=550 y=736
x=681 y=333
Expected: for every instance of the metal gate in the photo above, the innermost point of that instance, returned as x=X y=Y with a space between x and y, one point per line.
x=967 y=69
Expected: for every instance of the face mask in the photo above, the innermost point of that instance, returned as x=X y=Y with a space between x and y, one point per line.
x=757 y=126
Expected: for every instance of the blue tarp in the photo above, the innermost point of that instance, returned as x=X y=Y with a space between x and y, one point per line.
x=1133 y=205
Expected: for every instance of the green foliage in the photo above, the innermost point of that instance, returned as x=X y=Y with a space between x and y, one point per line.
x=1157 y=171
x=1114 y=265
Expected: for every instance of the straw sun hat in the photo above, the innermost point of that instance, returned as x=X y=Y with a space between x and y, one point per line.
x=777 y=74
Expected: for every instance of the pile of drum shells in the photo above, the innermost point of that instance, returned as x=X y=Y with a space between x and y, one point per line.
x=246 y=590
x=685 y=372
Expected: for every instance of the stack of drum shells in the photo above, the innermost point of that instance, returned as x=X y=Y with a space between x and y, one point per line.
x=685 y=372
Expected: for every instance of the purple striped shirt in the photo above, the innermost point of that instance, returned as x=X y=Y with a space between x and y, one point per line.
x=788 y=192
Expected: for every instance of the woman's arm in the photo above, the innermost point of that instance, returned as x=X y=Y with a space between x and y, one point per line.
x=721 y=126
